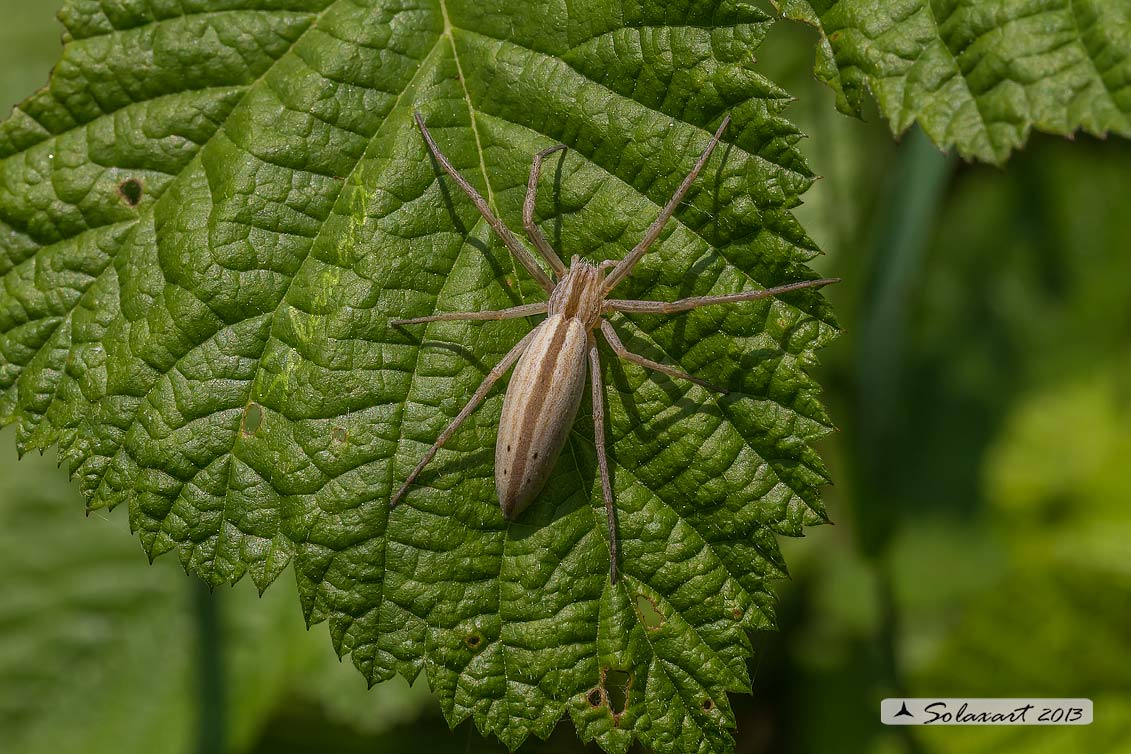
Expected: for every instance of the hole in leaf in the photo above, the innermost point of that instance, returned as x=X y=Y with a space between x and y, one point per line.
x=649 y=615
x=595 y=698
x=130 y=190
x=252 y=418
x=737 y=613
x=473 y=641
x=708 y=705
x=617 y=683
x=338 y=434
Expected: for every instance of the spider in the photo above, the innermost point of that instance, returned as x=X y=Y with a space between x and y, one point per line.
x=545 y=391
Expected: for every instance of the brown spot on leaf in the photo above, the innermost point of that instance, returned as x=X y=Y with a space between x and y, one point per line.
x=131 y=191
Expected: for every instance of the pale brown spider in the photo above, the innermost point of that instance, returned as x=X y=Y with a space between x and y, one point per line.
x=545 y=391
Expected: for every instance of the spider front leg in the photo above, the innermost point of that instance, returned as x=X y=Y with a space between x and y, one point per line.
x=513 y=312
x=532 y=230
x=625 y=266
x=687 y=304
x=509 y=240
x=480 y=393
x=602 y=457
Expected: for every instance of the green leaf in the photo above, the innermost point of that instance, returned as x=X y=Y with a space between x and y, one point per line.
x=215 y=208
x=978 y=76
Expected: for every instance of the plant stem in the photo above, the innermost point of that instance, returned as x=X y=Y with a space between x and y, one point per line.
x=211 y=733
x=900 y=251
x=898 y=266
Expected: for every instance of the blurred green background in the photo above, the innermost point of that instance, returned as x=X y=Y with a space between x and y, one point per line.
x=982 y=544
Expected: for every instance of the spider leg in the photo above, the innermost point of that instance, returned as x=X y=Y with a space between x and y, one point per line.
x=614 y=341
x=602 y=458
x=509 y=240
x=532 y=230
x=687 y=304
x=480 y=393
x=515 y=311
x=625 y=267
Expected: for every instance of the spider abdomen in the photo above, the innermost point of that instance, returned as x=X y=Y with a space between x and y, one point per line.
x=538 y=411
